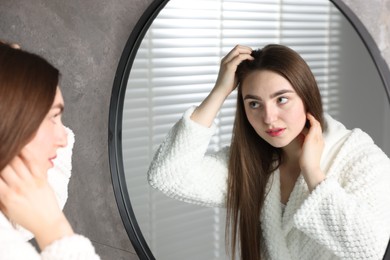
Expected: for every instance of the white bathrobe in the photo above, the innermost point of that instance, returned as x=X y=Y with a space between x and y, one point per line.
x=347 y=216
x=13 y=238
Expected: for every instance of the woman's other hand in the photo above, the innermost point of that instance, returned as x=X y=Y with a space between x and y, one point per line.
x=27 y=199
x=311 y=151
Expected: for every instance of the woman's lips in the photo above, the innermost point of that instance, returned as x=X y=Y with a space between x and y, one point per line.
x=51 y=160
x=275 y=131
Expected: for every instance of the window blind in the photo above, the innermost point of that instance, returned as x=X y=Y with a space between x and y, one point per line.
x=176 y=67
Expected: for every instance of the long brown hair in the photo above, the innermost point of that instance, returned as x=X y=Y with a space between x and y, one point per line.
x=28 y=85
x=252 y=159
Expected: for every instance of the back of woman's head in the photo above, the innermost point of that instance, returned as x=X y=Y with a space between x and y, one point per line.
x=289 y=64
x=28 y=85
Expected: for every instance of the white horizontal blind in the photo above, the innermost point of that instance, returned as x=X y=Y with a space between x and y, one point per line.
x=176 y=67
x=312 y=29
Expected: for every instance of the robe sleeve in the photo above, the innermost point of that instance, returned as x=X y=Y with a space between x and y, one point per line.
x=182 y=170
x=13 y=246
x=350 y=214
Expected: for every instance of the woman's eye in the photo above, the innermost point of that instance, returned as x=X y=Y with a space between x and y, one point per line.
x=55 y=118
x=254 y=104
x=282 y=100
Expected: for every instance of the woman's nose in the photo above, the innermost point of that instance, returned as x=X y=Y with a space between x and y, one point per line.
x=270 y=115
x=62 y=137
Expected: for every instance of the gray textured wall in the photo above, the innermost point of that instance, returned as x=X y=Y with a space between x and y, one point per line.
x=84 y=39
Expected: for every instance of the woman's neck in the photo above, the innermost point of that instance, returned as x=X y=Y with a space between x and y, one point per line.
x=289 y=170
x=291 y=153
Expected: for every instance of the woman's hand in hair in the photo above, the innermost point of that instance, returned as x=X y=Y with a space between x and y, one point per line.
x=227 y=80
x=311 y=151
x=28 y=200
x=225 y=84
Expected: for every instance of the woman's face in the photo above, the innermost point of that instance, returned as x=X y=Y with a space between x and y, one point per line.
x=273 y=108
x=51 y=135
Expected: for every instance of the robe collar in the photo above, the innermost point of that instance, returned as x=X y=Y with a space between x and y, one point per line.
x=275 y=226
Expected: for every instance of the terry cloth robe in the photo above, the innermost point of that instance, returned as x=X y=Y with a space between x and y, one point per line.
x=13 y=238
x=347 y=216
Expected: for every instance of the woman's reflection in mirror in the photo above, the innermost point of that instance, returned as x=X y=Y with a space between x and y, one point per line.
x=296 y=183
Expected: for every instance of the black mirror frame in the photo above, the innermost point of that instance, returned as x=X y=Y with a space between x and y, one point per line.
x=115 y=129
x=116 y=108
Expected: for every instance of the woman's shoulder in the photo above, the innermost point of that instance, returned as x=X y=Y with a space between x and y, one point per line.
x=336 y=131
x=347 y=149
x=361 y=144
x=347 y=139
x=359 y=151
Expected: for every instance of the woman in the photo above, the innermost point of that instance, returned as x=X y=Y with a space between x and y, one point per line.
x=296 y=183
x=31 y=131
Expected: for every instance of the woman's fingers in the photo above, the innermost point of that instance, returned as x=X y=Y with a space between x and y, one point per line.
x=10 y=177
x=22 y=169
x=17 y=175
x=4 y=189
x=315 y=128
x=9 y=188
x=227 y=79
x=238 y=53
x=238 y=59
x=312 y=145
x=312 y=120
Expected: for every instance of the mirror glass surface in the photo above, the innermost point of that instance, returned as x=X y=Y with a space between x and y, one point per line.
x=176 y=66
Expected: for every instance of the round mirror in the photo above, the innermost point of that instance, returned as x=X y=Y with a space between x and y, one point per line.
x=170 y=63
